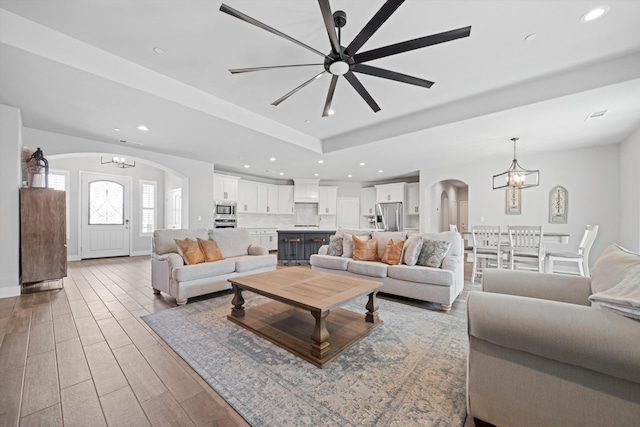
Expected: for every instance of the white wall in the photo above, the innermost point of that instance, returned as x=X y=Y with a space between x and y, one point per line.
x=630 y=192
x=139 y=245
x=197 y=191
x=590 y=175
x=10 y=182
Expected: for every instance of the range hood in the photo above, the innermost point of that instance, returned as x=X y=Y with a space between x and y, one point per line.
x=305 y=190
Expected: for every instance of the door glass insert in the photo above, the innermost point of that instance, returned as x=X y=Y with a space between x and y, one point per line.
x=106 y=203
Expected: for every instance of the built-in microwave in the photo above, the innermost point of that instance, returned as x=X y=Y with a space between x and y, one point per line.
x=224 y=209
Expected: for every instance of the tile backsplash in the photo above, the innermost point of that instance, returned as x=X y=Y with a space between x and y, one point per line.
x=304 y=214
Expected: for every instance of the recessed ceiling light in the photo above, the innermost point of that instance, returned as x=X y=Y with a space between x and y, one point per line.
x=530 y=37
x=380 y=171
x=246 y=166
x=116 y=129
x=331 y=112
x=349 y=176
x=142 y=128
x=272 y=159
x=594 y=14
x=316 y=174
x=362 y=163
x=281 y=173
x=321 y=161
x=158 y=50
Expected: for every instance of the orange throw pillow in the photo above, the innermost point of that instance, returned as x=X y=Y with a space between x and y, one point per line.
x=210 y=250
x=393 y=252
x=365 y=250
x=190 y=251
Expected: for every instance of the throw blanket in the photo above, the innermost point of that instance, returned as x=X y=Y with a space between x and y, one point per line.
x=623 y=298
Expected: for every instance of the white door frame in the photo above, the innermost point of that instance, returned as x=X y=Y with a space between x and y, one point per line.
x=129 y=200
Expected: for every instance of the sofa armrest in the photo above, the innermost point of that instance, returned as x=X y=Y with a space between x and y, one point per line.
x=258 y=250
x=323 y=250
x=452 y=262
x=161 y=267
x=581 y=336
x=555 y=287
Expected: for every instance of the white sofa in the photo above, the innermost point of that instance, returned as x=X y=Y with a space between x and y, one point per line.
x=440 y=285
x=540 y=355
x=170 y=275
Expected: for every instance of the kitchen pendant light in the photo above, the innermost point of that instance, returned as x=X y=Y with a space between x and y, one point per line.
x=516 y=176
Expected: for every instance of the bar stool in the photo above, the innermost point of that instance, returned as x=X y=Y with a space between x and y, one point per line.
x=317 y=242
x=291 y=249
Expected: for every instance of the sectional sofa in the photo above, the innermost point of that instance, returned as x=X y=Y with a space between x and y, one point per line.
x=171 y=275
x=440 y=285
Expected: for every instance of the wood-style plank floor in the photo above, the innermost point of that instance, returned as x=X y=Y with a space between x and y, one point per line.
x=81 y=355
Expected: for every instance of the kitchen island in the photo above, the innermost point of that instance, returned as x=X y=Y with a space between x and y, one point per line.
x=301 y=251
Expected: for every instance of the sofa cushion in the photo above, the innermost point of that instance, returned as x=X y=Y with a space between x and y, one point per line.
x=393 y=252
x=420 y=274
x=329 y=261
x=210 y=250
x=190 y=251
x=335 y=246
x=164 y=240
x=253 y=262
x=383 y=238
x=365 y=250
x=348 y=245
x=611 y=267
x=231 y=241
x=433 y=252
x=204 y=270
x=412 y=248
x=367 y=268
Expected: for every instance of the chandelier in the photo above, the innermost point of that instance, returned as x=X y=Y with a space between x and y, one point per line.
x=119 y=162
x=516 y=176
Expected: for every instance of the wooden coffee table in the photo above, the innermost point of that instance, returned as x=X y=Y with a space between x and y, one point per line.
x=296 y=292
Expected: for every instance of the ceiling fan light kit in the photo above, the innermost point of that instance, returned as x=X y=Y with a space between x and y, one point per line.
x=516 y=176
x=345 y=61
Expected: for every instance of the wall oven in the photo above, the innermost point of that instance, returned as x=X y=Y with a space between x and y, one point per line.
x=224 y=214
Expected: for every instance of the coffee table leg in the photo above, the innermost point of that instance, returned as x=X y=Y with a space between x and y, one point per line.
x=372 y=309
x=320 y=335
x=238 y=302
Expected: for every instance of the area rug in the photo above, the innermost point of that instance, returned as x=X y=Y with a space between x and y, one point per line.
x=409 y=371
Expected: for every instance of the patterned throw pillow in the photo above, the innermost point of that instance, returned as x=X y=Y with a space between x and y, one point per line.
x=412 y=248
x=210 y=250
x=190 y=251
x=392 y=254
x=433 y=252
x=335 y=246
x=365 y=250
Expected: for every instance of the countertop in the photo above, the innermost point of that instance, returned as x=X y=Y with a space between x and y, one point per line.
x=306 y=230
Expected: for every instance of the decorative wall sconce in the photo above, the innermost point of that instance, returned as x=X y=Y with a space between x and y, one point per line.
x=516 y=176
x=119 y=162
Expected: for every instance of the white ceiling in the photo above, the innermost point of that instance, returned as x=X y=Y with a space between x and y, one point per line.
x=83 y=68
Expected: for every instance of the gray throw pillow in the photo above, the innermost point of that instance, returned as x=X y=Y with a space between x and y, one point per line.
x=412 y=248
x=335 y=246
x=433 y=252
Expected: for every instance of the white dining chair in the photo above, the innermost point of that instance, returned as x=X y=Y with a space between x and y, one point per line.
x=453 y=227
x=525 y=247
x=487 y=249
x=581 y=257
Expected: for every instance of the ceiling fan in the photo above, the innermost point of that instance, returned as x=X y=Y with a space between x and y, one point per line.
x=345 y=61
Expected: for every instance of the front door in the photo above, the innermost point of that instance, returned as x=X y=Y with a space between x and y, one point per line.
x=106 y=205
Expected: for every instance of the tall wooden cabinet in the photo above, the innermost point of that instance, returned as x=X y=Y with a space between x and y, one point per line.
x=43 y=235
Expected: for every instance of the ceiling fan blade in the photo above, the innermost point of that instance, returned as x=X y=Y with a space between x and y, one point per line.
x=406 y=46
x=330 y=25
x=372 y=26
x=351 y=78
x=231 y=11
x=247 y=70
x=327 y=103
x=391 y=75
x=279 y=100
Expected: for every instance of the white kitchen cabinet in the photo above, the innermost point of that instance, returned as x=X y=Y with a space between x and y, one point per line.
x=413 y=198
x=256 y=236
x=269 y=239
x=225 y=187
x=306 y=190
x=285 y=199
x=247 y=196
x=327 y=200
x=368 y=201
x=388 y=193
x=267 y=198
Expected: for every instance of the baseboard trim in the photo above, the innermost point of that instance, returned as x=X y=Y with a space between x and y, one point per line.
x=140 y=253
x=73 y=258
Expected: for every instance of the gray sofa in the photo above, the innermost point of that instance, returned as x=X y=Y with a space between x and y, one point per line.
x=170 y=275
x=540 y=355
x=439 y=285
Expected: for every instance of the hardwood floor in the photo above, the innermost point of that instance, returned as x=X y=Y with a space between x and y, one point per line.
x=81 y=355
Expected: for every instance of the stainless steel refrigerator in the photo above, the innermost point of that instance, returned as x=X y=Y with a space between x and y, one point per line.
x=389 y=216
